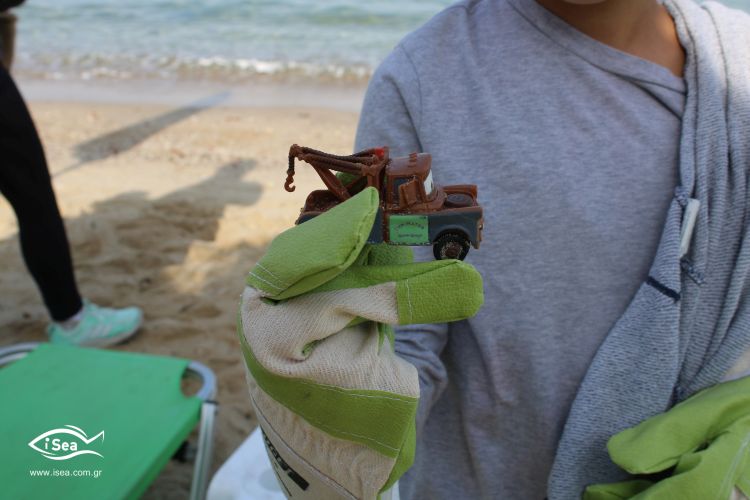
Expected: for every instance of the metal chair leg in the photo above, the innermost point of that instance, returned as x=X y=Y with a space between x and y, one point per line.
x=204 y=453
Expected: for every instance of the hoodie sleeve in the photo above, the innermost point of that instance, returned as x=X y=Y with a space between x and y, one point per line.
x=391 y=116
x=391 y=112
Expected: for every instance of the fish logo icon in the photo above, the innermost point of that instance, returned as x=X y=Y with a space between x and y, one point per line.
x=65 y=443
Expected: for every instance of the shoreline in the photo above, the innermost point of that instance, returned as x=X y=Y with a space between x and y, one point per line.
x=338 y=96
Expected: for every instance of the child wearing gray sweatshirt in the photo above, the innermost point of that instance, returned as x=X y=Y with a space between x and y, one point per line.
x=590 y=127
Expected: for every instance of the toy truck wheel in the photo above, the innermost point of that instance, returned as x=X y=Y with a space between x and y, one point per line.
x=451 y=246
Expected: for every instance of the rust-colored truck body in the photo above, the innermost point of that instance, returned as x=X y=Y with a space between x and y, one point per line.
x=414 y=210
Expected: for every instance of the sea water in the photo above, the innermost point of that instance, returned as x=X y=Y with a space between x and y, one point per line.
x=224 y=40
x=213 y=39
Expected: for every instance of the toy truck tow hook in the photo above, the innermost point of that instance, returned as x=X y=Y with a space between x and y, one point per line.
x=413 y=209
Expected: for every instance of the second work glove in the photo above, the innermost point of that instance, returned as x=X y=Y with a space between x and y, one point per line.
x=703 y=444
x=336 y=405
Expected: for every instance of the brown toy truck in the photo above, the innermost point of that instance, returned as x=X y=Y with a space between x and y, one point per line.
x=413 y=209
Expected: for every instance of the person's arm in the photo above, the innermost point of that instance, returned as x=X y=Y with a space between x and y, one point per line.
x=9 y=4
x=391 y=116
x=7 y=31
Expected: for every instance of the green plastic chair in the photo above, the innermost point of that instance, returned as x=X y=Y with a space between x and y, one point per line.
x=102 y=424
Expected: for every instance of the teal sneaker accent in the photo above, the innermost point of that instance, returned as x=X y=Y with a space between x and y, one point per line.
x=99 y=327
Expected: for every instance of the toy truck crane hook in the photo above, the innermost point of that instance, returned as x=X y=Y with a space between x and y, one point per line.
x=366 y=163
x=413 y=209
x=290 y=176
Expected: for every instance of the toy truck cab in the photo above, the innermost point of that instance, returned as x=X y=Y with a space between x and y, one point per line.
x=413 y=209
x=416 y=211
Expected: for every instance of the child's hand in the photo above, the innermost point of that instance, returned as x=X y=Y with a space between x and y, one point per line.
x=336 y=405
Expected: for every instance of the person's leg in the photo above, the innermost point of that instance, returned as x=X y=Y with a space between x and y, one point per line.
x=25 y=182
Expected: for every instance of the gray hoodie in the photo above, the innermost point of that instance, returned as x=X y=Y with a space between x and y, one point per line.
x=579 y=151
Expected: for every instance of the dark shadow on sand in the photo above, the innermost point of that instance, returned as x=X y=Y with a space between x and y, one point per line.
x=126 y=138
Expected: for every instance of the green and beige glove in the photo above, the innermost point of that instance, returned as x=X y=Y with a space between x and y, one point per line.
x=703 y=444
x=335 y=404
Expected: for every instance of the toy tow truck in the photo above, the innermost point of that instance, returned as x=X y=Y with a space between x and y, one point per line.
x=413 y=209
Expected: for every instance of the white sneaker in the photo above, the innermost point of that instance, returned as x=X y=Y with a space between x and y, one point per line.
x=98 y=326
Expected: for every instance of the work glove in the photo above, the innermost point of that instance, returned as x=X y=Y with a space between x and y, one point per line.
x=702 y=445
x=336 y=405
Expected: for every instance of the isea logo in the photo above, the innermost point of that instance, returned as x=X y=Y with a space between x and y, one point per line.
x=65 y=443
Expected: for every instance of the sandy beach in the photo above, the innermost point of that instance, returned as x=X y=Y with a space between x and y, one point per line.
x=167 y=206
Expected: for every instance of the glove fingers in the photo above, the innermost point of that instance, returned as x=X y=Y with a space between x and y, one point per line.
x=432 y=292
x=302 y=258
x=450 y=291
x=616 y=491
x=657 y=443
x=426 y=292
x=709 y=473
